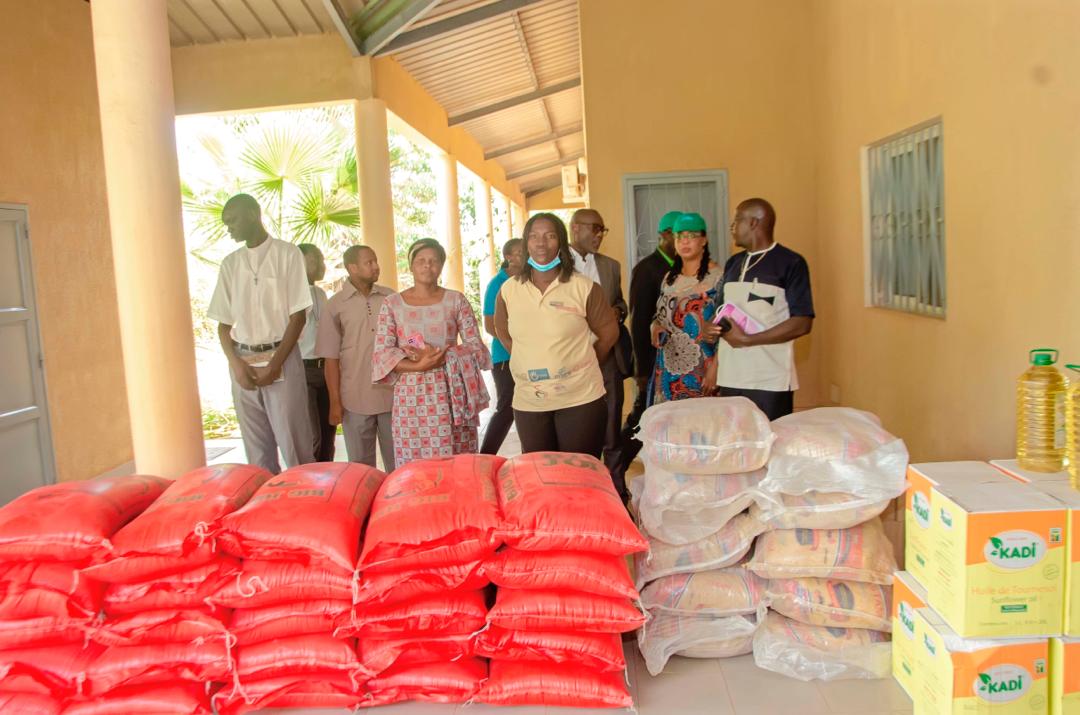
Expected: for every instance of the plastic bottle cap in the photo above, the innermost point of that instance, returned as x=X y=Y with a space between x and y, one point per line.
x=1041 y=357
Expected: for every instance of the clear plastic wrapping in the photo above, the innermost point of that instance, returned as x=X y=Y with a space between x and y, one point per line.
x=707 y=435
x=806 y=652
x=668 y=634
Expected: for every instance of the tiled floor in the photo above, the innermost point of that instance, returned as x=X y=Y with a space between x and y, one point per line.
x=734 y=686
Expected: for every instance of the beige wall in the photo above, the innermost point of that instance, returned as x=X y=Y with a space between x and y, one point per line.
x=732 y=92
x=1005 y=77
x=550 y=200
x=51 y=159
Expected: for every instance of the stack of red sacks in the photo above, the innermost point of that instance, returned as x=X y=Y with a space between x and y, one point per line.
x=564 y=589
x=159 y=628
x=47 y=608
x=299 y=537
x=421 y=601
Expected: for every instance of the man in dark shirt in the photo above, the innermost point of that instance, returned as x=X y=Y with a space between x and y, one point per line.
x=771 y=284
x=645 y=283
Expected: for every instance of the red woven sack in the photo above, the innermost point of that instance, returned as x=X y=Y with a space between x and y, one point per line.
x=377 y=655
x=394 y=587
x=159 y=699
x=525 y=683
x=595 y=651
x=55 y=589
x=255 y=625
x=434 y=512
x=157 y=663
x=600 y=574
x=55 y=671
x=173 y=533
x=446 y=614
x=313 y=654
x=563 y=611
x=454 y=682
x=28 y=704
x=186 y=590
x=269 y=583
x=167 y=626
x=73 y=521
x=554 y=501
x=330 y=690
x=311 y=514
x=32 y=632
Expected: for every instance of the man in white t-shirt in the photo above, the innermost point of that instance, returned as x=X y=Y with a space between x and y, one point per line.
x=318 y=396
x=260 y=303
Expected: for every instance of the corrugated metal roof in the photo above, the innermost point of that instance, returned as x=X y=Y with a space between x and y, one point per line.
x=501 y=58
x=204 y=21
x=468 y=68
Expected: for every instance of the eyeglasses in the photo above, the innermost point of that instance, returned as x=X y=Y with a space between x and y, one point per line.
x=596 y=228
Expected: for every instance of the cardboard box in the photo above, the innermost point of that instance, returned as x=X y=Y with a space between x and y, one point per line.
x=1065 y=676
x=1003 y=676
x=908 y=596
x=918 y=511
x=1012 y=468
x=1070 y=498
x=998 y=560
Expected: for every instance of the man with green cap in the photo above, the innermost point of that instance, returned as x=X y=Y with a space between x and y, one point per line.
x=644 y=291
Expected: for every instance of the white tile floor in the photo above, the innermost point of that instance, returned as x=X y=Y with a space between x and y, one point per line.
x=733 y=686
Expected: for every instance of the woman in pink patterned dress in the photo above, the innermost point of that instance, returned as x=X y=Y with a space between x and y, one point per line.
x=418 y=330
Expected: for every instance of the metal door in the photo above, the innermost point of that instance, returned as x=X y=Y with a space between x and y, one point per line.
x=647 y=197
x=26 y=455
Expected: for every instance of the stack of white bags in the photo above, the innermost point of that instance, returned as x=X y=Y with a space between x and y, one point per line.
x=803 y=495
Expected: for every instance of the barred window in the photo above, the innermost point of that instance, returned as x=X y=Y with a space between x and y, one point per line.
x=906 y=221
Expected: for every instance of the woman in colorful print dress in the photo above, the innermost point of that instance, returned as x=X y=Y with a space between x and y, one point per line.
x=417 y=333
x=683 y=332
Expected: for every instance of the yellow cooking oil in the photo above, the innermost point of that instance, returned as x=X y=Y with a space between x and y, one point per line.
x=1040 y=414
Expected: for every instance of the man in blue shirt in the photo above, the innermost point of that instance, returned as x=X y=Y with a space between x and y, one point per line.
x=513 y=259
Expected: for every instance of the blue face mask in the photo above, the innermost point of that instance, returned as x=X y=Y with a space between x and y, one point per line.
x=546 y=266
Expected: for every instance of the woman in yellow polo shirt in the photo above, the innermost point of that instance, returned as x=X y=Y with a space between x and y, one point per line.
x=558 y=327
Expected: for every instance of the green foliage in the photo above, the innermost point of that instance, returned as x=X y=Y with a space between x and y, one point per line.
x=220 y=424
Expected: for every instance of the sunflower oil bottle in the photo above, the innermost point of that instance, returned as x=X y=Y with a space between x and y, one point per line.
x=1040 y=414
x=1072 y=426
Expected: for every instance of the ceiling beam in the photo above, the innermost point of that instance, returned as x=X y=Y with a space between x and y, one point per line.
x=514 y=101
x=337 y=16
x=392 y=26
x=529 y=143
x=456 y=22
x=544 y=167
x=541 y=188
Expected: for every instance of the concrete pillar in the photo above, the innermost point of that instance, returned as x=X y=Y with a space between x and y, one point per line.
x=487 y=225
x=449 y=222
x=373 y=176
x=135 y=93
x=509 y=219
x=517 y=218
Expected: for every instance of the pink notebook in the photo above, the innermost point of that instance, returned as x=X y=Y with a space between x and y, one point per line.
x=739 y=317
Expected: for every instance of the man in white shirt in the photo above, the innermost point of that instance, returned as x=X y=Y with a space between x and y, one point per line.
x=587 y=231
x=259 y=303
x=318 y=395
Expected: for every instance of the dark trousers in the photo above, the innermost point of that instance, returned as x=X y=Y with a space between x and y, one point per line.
x=774 y=404
x=500 y=422
x=577 y=429
x=613 y=442
x=629 y=444
x=319 y=408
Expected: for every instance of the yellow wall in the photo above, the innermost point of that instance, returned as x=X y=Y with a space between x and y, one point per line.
x=733 y=91
x=549 y=200
x=1005 y=77
x=51 y=160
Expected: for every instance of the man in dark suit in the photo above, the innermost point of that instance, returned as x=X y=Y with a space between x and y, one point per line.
x=587 y=231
